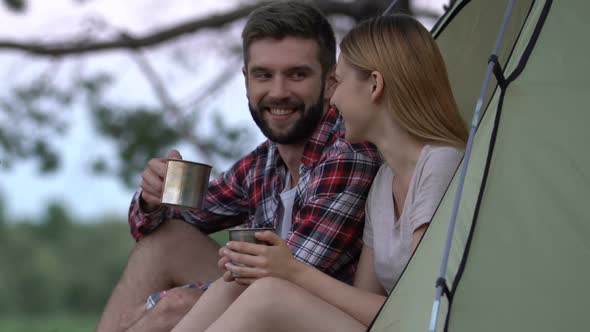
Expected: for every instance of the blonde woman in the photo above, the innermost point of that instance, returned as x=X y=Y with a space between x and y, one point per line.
x=392 y=90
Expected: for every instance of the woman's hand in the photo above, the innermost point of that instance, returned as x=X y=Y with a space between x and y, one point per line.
x=223 y=260
x=273 y=260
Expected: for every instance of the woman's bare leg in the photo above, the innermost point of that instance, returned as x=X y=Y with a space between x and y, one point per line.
x=272 y=304
x=211 y=305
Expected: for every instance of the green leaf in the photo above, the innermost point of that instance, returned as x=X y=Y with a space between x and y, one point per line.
x=16 y=5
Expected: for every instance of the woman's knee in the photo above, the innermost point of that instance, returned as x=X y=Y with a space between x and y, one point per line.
x=230 y=290
x=269 y=292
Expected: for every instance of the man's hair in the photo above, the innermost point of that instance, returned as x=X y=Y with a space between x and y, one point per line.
x=281 y=19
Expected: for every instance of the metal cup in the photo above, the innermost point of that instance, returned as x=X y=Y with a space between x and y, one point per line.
x=246 y=235
x=185 y=184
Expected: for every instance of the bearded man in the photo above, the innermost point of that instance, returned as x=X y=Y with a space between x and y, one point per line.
x=305 y=179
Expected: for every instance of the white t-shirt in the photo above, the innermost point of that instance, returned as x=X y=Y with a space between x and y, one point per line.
x=391 y=239
x=287 y=199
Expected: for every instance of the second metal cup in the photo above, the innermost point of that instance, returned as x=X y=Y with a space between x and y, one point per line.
x=246 y=235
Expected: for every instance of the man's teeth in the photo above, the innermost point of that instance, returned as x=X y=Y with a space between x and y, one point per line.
x=280 y=111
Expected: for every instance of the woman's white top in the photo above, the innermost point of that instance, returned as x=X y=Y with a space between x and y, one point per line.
x=391 y=239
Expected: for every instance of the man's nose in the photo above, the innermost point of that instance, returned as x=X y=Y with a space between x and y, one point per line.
x=279 y=88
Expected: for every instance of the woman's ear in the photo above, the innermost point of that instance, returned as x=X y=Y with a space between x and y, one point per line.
x=377 y=85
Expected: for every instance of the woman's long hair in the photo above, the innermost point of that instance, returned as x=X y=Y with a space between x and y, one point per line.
x=416 y=85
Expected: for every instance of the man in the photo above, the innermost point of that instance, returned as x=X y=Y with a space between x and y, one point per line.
x=305 y=179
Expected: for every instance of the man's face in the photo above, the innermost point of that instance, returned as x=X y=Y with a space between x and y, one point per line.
x=285 y=88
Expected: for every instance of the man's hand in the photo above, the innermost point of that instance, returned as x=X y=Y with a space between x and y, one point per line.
x=152 y=181
x=165 y=314
x=130 y=317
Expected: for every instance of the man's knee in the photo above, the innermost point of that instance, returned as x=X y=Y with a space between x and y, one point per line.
x=175 y=254
x=176 y=243
x=170 y=234
x=151 y=256
x=131 y=316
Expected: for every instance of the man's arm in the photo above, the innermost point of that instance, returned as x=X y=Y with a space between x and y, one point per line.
x=328 y=226
x=226 y=204
x=142 y=223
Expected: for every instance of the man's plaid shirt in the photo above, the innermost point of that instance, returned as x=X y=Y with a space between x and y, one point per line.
x=328 y=212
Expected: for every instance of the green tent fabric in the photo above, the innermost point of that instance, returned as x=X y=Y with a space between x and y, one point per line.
x=520 y=256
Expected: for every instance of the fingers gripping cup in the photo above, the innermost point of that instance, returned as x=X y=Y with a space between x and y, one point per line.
x=246 y=235
x=185 y=184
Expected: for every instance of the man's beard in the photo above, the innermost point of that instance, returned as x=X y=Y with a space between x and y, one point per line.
x=301 y=130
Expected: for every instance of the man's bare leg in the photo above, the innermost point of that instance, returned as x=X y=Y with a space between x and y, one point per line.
x=167 y=313
x=175 y=254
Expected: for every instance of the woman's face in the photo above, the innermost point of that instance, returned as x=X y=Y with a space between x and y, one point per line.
x=352 y=97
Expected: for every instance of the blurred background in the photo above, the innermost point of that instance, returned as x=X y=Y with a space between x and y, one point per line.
x=90 y=90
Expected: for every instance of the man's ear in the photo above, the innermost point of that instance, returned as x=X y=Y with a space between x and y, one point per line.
x=245 y=73
x=377 y=86
x=330 y=85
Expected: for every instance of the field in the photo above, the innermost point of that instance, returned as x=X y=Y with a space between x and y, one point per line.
x=19 y=292
x=60 y=323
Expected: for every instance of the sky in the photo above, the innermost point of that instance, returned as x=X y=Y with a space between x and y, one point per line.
x=24 y=191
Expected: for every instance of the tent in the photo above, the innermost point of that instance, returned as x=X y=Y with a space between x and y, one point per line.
x=519 y=259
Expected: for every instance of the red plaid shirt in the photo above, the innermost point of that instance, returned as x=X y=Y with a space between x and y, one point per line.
x=328 y=212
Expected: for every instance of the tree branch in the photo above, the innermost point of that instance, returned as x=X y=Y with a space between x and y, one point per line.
x=357 y=10
x=215 y=83
x=127 y=41
x=167 y=102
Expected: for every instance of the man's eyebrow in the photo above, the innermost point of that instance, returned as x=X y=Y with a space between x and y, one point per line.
x=305 y=68
x=257 y=69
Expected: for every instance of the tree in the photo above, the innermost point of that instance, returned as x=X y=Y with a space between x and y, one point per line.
x=58 y=82
x=60 y=265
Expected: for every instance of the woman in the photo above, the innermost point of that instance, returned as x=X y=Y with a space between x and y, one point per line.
x=393 y=90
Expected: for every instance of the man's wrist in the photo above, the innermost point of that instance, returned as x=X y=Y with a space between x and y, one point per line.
x=146 y=207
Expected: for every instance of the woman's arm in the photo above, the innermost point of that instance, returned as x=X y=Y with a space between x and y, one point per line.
x=360 y=303
x=276 y=260
x=418 y=233
x=365 y=277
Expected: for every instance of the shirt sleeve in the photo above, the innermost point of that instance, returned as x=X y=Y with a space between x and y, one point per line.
x=329 y=223
x=226 y=204
x=436 y=174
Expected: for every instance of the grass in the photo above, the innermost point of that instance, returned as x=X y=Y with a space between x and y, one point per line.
x=64 y=322
x=57 y=323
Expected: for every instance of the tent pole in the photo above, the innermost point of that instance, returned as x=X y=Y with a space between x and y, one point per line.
x=458 y=195
x=389 y=8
